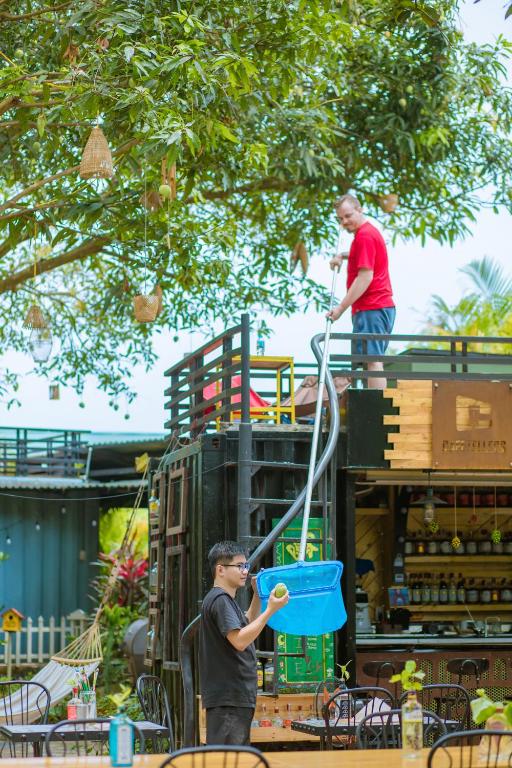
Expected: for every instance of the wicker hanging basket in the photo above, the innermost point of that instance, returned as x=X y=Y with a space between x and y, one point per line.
x=96 y=162
x=160 y=295
x=145 y=308
x=35 y=318
x=389 y=203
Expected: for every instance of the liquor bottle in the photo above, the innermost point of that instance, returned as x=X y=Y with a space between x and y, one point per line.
x=443 y=590
x=73 y=705
x=425 y=592
x=120 y=739
x=300 y=713
x=434 y=592
x=416 y=591
x=452 y=590
x=495 y=593
x=277 y=720
x=287 y=720
x=461 y=589
x=265 y=721
x=412 y=726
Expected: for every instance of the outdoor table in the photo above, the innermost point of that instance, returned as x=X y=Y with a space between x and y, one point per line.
x=36 y=734
x=369 y=758
x=315 y=726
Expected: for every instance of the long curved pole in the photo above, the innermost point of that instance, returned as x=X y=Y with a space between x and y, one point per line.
x=190 y=631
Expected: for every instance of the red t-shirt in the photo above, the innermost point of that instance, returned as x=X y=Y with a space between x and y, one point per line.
x=368 y=251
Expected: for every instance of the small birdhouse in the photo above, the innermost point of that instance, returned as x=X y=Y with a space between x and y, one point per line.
x=11 y=620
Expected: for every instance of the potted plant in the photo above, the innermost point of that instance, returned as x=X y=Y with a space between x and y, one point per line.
x=497 y=716
x=412 y=713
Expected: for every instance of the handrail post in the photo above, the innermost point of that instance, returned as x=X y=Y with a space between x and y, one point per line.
x=245 y=440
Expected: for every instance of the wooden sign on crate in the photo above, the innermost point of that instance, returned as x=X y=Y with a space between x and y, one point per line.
x=450 y=425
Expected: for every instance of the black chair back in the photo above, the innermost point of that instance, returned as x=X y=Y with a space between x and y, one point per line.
x=450 y=702
x=383 y=730
x=472 y=749
x=324 y=690
x=155 y=706
x=469 y=667
x=21 y=702
x=340 y=712
x=228 y=756
x=84 y=737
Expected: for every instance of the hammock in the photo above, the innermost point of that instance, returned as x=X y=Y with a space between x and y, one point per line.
x=84 y=651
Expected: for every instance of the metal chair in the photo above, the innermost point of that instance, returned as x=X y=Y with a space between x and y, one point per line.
x=228 y=755
x=468 y=749
x=384 y=669
x=324 y=690
x=383 y=730
x=29 y=697
x=155 y=706
x=470 y=667
x=449 y=701
x=340 y=711
x=83 y=737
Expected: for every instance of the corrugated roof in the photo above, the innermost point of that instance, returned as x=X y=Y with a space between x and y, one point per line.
x=97 y=439
x=39 y=482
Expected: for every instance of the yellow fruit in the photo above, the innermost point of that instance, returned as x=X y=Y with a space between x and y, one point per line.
x=403 y=103
x=164 y=191
x=280 y=590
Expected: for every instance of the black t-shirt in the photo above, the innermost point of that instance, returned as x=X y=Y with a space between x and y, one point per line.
x=227 y=676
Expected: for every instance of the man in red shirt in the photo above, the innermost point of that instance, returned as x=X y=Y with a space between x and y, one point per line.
x=369 y=290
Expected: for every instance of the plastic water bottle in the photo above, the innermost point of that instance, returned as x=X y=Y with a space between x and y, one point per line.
x=260 y=345
x=412 y=726
x=121 y=740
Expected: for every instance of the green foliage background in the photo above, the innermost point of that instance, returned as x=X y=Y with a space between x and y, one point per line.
x=269 y=109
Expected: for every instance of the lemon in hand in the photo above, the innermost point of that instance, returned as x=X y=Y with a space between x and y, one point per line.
x=280 y=590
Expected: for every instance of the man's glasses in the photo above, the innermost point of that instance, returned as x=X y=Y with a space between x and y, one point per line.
x=241 y=566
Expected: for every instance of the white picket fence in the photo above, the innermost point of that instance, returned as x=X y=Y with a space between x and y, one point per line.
x=36 y=642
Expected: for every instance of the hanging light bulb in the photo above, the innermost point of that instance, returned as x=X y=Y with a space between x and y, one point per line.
x=429 y=502
x=63 y=510
x=40 y=344
x=94 y=523
x=37 y=525
x=8 y=540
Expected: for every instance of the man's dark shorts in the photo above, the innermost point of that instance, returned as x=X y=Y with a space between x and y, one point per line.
x=229 y=725
x=373 y=321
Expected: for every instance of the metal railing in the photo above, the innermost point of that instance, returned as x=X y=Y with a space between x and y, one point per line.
x=454 y=357
x=60 y=453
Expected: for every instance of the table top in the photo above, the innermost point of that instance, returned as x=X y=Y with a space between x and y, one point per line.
x=369 y=758
x=38 y=731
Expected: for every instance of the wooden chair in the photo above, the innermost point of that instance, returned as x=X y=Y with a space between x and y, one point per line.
x=227 y=756
x=30 y=697
x=84 y=737
x=383 y=730
x=449 y=701
x=469 y=749
x=340 y=711
x=155 y=706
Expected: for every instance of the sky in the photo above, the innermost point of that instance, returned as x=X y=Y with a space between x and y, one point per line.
x=417 y=272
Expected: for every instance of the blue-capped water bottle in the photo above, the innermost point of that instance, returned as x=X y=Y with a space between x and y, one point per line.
x=260 y=344
x=121 y=737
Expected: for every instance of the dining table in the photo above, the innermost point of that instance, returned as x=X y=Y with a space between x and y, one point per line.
x=35 y=734
x=357 y=758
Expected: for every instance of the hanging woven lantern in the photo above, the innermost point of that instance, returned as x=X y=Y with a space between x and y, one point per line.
x=96 y=162
x=35 y=318
x=389 y=203
x=145 y=308
x=160 y=295
x=40 y=344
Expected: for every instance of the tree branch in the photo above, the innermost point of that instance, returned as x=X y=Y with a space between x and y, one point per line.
x=8 y=102
x=22 y=16
x=89 y=248
x=41 y=183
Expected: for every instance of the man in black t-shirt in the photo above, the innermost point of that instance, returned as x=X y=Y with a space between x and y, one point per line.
x=227 y=658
